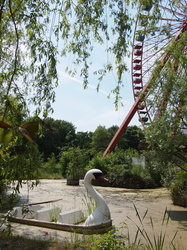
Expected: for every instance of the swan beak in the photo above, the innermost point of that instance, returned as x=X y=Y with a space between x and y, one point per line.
x=102 y=179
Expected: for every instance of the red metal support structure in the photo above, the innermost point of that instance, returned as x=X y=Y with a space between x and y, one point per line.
x=138 y=103
x=127 y=120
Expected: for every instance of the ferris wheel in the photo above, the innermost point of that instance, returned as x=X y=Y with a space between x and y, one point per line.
x=154 y=36
x=150 y=51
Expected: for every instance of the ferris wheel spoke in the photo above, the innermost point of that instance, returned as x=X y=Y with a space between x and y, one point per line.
x=150 y=57
x=183 y=4
x=174 y=12
x=153 y=61
x=153 y=48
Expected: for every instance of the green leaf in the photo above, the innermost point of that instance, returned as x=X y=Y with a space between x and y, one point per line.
x=6 y=136
x=1 y=153
x=46 y=125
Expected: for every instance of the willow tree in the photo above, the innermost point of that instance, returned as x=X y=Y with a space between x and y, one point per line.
x=34 y=34
x=168 y=133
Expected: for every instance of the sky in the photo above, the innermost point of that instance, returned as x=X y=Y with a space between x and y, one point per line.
x=86 y=108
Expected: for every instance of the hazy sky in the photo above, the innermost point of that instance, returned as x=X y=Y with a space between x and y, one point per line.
x=87 y=108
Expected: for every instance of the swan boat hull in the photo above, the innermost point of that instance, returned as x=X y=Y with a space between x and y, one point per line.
x=81 y=229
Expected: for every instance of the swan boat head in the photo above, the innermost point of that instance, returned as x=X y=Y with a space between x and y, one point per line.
x=102 y=212
x=94 y=174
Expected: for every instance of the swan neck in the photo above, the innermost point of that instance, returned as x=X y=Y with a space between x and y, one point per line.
x=97 y=197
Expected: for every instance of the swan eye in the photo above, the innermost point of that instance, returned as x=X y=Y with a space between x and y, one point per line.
x=97 y=175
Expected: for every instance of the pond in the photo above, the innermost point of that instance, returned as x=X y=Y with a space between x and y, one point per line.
x=123 y=204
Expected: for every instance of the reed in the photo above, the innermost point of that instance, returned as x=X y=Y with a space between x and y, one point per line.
x=149 y=238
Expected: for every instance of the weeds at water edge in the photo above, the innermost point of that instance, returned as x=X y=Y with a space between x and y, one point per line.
x=156 y=242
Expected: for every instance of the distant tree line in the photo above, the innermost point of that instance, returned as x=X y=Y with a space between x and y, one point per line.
x=67 y=153
x=64 y=136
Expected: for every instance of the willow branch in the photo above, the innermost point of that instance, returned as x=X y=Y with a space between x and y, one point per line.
x=15 y=54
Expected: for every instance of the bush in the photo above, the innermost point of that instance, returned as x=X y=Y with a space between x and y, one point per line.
x=178 y=189
x=99 y=162
x=51 y=165
x=73 y=162
x=145 y=178
x=130 y=176
x=120 y=176
x=50 y=169
x=120 y=171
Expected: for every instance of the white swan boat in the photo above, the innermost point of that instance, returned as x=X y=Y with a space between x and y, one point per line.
x=98 y=222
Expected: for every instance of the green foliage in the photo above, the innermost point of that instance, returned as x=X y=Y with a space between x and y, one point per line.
x=144 y=177
x=105 y=164
x=54 y=214
x=90 y=26
x=131 y=138
x=128 y=176
x=6 y=136
x=23 y=242
x=29 y=45
x=179 y=184
x=50 y=169
x=159 y=168
x=121 y=172
x=111 y=241
x=144 y=238
x=23 y=27
x=90 y=204
x=162 y=139
x=20 y=159
x=20 y=167
x=61 y=137
x=161 y=162
x=73 y=162
x=29 y=130
x=100 y=140
x=99 y=162
x=83 y=140
x=167 y=133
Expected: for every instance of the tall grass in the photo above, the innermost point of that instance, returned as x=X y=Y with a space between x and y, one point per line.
x=149 y=238
x=90 y=204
